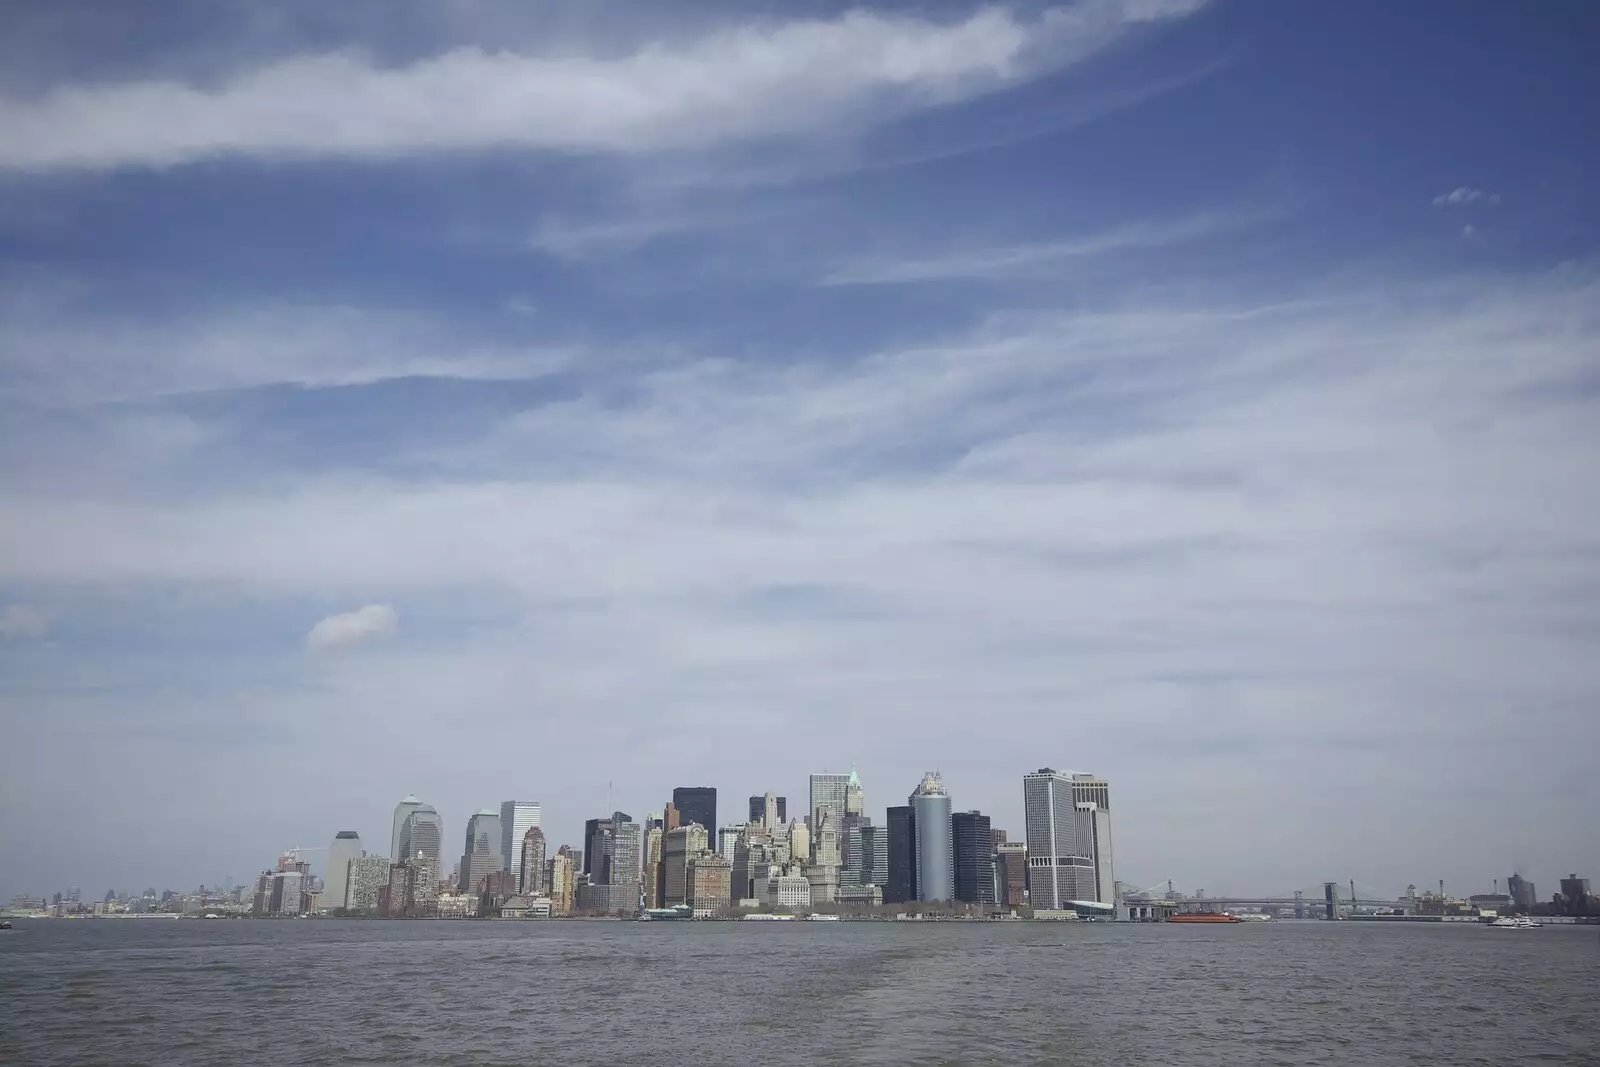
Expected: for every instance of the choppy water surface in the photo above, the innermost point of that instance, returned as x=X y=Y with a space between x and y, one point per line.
x=123 y=992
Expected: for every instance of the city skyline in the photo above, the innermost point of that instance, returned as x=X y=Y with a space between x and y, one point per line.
x=1077 y=785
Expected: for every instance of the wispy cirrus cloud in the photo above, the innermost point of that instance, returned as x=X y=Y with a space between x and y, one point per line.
x=728 y=85
x=992 y=263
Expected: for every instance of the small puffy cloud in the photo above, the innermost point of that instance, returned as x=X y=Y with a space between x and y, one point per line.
x=352 y=627
x=1465 y=195
x=23 y=621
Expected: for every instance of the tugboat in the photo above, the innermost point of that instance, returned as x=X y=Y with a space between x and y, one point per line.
x=5 y=924
x=1202 y=917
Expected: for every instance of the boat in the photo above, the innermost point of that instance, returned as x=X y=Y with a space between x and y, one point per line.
x=762 y=916
x=1515 y=922
x=5 y=924
x=677 y=911
x=822 y=918
x=1202 y=917
x=1254 y=917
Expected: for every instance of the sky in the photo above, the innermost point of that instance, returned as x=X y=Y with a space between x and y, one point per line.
x=567 y=402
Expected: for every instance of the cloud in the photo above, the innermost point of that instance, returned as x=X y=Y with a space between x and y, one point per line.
x=1019 y=260
x=1463 y=196
x=727 y=85
x=23 y=621
x=353 y=627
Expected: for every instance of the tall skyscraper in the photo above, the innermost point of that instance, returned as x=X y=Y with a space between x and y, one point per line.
x=481 y=857
x=696 y=803
x=401 y=811
x=760 y=814
x=935 y=853
x=679 y=848
x=974 y=857
x=855 y=798
x=900 y=885
x=346 y=847
x=626 y=844
x=827 y=791
x=594 y=847
x=516 y=818
x=530 y=871
x=1094 y=839
x=1089 y=789
x=286 y=889
x=1059 y=869
x=422 y=831
x=1521 y=891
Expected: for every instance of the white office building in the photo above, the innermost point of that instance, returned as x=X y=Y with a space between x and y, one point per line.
x=368 y=874
x=346 y=847
x=517 y=817
x=1060 y=870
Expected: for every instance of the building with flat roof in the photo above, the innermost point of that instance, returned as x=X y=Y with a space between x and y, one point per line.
x=517 y=817
x=973 y=844
x=1059 y=868
x=935 y=851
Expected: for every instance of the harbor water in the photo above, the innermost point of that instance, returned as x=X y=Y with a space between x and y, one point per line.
x=126 y=992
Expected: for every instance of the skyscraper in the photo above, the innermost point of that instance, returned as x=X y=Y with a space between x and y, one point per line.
x=758 y=810
x=696 y=803
x=935 y=853
x=622 y=867
x=855 y=798
x=530 y=870
x=401 y=811
x=1521 y=891
x=1011 y=873
x=422 y=831
x=346 y=847
x=481 y=857
x=1088 y=789
x=900 y=885
x=1059 y=870
x=368 y=874
x=594 y=847
x=1094 y=839
x=679 y=848
x=974 y=857
x=827 y=791
x=516 y=817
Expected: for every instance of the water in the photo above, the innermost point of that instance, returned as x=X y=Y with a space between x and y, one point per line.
x=125 y=992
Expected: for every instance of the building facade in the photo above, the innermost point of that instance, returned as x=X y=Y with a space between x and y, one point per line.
x=345 y=849
x=827 y=791
x=1094 y=838
x=710 y=884
x=367 y=874
x=1059 y=871
x=935 y=852
x=562 y=878
x=1011 y=873
x=679 y=848
x=900 y=881
x=696 y=803
x=788 y=891
x=423 y=832
x=397 y=845
x=973 y=844
x=517 y=817
x=531 y=864
x=774 y=818
x=481 y=855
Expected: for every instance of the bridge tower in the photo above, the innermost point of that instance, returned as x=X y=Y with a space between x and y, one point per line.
x=1299 y=904
x=1330 y=893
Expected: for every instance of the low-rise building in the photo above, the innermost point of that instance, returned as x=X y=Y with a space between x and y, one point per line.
x=789 y=892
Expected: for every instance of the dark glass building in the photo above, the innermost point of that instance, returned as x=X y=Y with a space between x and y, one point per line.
x=974 y=848
x=758 y=808
x=594 y=833
x=901 y=885
x=696 y=803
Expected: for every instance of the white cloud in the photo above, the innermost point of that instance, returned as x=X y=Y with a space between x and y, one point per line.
x=1463 y=196
x=733 y=84
x=1011 y=261
x=353 y=627
x=24 y=620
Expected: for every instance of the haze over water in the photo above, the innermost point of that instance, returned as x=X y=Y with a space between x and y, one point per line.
x=198 y=993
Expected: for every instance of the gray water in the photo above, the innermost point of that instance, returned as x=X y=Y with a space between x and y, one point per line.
x=123 y=992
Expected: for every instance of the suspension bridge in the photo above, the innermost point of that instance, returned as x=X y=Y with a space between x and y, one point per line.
x=1320 y=900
